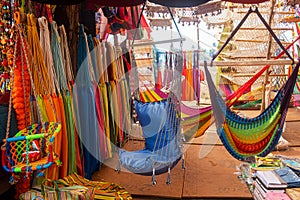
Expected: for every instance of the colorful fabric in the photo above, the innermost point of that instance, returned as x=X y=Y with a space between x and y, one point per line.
x=102 y=190
x=160 y=126
x=13 y=157
x=245 y=137
x=83 y=92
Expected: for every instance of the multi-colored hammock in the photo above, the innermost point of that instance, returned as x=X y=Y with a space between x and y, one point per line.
x=245 y=137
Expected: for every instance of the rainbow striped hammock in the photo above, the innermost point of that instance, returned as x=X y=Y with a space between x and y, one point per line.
x=246 y=137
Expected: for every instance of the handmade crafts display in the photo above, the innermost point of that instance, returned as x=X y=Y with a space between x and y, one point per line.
x=31 y=148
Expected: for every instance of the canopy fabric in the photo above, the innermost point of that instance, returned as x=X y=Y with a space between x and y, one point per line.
x=179 y=3
x=117 y=3
x=113 y=3
x=59 y=2
x=246 y=1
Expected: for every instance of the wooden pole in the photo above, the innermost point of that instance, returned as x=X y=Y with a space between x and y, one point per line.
x=264 y=86
x=250 y=63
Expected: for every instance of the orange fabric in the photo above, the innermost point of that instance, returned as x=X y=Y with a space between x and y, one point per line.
x=189 y=85
x=53 y=171
x=63 y=171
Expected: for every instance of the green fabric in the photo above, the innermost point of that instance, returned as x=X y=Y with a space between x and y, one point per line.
x=254 y=130
x=110 y=95
x=71 y=133
x=104 y=94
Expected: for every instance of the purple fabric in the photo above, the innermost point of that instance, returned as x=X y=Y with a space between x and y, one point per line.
x=193 y=111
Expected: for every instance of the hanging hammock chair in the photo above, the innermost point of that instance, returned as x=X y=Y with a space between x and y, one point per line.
x=161 y=128
x=247 y=137
x=160 y=123
x=32 y=147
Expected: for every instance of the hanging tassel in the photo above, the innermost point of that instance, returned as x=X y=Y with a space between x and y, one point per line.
x=169 y=177
x=153 y=177
x=183 y=163
x=183 y=136
x=118 y=168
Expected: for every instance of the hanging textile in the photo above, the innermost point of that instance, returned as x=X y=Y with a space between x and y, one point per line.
x=161 y=124
x=245 y=137
x=196 y=76
x=37 y=136
x=189 y=77
x=63 y=91
x=73 y=152
x=95 y=50
x=47 y=101
x=85 y=108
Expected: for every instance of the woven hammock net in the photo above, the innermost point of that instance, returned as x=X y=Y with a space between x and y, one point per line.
x=251 y=43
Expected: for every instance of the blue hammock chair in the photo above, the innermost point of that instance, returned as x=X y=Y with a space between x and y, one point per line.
x=160 y=123
x=161 y=126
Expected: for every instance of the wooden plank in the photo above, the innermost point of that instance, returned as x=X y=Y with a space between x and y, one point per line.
x=255 y=41
x=237 y=56
x=250 y=75
x=293 y=19
x=206 y=165
x=159 y=42
x=264 y=28
x=250 y=63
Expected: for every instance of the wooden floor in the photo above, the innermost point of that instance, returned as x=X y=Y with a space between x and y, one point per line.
x=210 y=171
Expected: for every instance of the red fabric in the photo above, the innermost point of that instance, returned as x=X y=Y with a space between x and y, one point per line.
x=246 y=1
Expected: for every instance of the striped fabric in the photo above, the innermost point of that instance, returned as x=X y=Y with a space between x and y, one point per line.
x=102 y=190
x=63 y=193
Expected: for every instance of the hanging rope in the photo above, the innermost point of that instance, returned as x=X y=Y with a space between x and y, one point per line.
x=40 y=72
x=56 y=53
x=46 y=49
x=66 y=54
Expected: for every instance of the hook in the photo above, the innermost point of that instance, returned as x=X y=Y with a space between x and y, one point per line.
x=253 y=8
